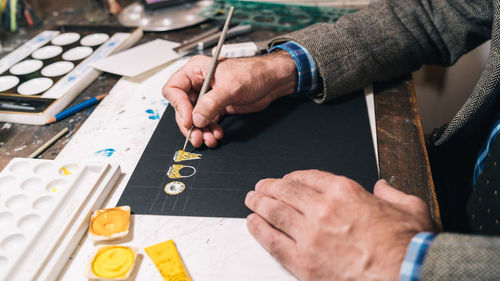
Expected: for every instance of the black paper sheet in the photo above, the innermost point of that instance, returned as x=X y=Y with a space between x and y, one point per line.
x=291 y=134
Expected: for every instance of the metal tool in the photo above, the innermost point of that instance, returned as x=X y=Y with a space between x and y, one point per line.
x=210 y=39
x=211 y=71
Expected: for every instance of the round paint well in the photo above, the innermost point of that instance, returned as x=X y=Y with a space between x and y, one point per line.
x=57 y=69
x=43 y=203
x=5 y=218
x=47 y=52
x=12 y=242
x=31 y=185
x=26 y=67
x=34 y=86
x=28 y=222
x=8 y=82
x=77 y=53
x=3 y=262
x=94 y=39
x=19 y=166
x=43 y=169
x=65 y=38
x=56 y=185
x=17 y=202
x=68 y=169
x=7 y=182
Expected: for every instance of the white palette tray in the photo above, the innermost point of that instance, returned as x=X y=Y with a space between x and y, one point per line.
x=45 y=206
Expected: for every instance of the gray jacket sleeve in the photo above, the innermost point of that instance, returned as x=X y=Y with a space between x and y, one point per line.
x=392 y=38
x=462 y=257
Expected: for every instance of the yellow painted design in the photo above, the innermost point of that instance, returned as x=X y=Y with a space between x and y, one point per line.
x=113 y=262
x=167 y=260
x=174 y=187
x=181 y=155
x=54 y=189
x=107 y=222
x=174 y=171
x=66 y=171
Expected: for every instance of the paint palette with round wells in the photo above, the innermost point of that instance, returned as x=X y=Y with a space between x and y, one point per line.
x=42 y=76
x=45 y=206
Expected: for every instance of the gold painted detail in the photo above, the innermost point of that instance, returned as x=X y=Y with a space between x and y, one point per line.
x=166 y=258
x=174 y=171
x=181 y=155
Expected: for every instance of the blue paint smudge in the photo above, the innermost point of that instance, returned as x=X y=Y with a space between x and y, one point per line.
x=107 y=152
x=164 y=102
x=153 y=114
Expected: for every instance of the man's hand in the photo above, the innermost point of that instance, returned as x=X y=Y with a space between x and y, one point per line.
x=238 y=86
x=326 y=227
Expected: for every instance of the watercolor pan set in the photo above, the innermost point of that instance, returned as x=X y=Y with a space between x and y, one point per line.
x=45 y=207
x=42 y=76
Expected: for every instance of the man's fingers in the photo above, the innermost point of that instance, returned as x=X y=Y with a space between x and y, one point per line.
x=296 y=195
x=209 y=106
x=196 y=138
x=208 y=138
x=274 y=241
x=277 y=213
x=316 y=179
x=217 y=130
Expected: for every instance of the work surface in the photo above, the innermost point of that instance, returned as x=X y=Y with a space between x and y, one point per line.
x=401 y=153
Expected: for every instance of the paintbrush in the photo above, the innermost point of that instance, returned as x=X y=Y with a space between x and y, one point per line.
x=211 y=71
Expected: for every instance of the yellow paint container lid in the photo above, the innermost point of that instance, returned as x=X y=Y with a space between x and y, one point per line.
x=111 y=262
x=108 y=224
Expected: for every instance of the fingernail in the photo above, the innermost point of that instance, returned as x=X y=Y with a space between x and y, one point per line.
x=250 y=194
x=259 y=184
x=384 y=181
x=199 y=120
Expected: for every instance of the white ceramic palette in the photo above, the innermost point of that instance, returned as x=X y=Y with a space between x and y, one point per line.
x=77 y=53
x=26 y=67
x=57 y=68
x=7 y=82
x=94 y=39
x=34 y=86
x=45 y=206
x=47 y=52
x=65 y=38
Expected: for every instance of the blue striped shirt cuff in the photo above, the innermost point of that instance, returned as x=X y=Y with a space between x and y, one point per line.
x=306 y=68
x=411 y=269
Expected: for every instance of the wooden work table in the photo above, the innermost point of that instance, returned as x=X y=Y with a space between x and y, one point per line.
x=401 y=148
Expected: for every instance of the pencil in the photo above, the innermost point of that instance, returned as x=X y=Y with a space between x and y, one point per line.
x=75 y=109
x=48 y=143
x=211 y=71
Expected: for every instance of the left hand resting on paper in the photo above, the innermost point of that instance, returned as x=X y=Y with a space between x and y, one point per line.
x=321 y=226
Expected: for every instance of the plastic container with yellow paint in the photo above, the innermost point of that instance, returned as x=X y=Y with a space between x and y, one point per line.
x=111 y=262
x=109 y=224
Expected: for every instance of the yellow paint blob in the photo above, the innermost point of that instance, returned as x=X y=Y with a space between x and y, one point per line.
x=107 y=222
x=167 y=260
x=54 y=189
x=181 y=155
x=66 y=171
x=113 y=262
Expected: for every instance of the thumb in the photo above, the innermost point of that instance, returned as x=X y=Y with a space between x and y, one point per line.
x=402 y=200
x=209 y=106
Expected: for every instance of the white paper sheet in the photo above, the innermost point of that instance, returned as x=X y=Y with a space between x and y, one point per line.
x=139 y=59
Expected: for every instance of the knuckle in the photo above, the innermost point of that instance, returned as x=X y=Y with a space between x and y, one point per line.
x=324 y=211
x=279 y=217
